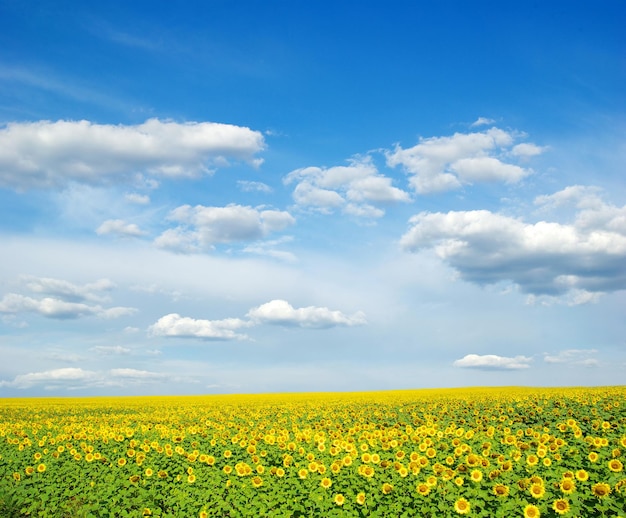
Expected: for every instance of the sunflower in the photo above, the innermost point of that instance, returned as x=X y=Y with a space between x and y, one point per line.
x=339 y=499
x=423 y=489
x=601 y=489
x=121 y=462
x=191 y=478
x=462 y=506
x=280 y=472
x=531 y=511
x=532 y=460
x=257 y=481
x=501 y=490
x=476 y=475
x=568 y=486
x=582 y=475
x=303 y=473
x=537 y=490
x=41 y=468
x=360 y=498
x=326 y=483
x=561 y=506
x=593 y=456
x=616 y=465
x=387 y=488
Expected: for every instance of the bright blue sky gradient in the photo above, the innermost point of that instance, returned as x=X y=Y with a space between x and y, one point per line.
x=284 y=196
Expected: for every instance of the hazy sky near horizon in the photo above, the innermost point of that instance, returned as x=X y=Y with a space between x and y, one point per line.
x=221 y=196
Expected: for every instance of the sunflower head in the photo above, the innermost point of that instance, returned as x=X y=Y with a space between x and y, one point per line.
x=462 y=506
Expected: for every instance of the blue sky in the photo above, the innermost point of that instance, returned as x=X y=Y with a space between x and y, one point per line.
x=217 y=197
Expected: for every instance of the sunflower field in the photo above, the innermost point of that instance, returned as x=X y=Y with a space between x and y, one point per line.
x=480 y=452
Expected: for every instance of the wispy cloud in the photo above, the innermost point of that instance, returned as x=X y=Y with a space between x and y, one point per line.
x=493 y=362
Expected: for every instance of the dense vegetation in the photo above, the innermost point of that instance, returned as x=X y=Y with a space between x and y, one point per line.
x=433 y=453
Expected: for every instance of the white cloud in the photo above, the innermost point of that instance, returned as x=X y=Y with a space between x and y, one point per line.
x=206 y=226
x=139 y=199
x=67 y=290
x=56 y=308
x=527 y=149
x=325 y=189
x=270 y=249
x=76 y=378
x=135 y=374
x=249 y=186
x=579 y=196
x=582 y=357
x=282 y=313
x=493 y=362
x=107 y=350
x=46 y=154
x=482 y=121
x=580 y=260
x=120 y=228
x=178 y=240
x=54 y=376
x=446 y=163
x=173 y=325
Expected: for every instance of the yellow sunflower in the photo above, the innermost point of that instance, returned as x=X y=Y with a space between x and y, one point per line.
x=500 y=490
x=561 y=506
x=601 y=489
x=531 y=511
x=537 y=490
x=462 y=506
x=339 y=499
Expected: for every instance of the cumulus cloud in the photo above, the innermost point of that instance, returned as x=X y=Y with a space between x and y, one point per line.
x=545 y=259
x=71 y=378
x=202 y=227
x=47 y=154
x=492 y=362
x=447 y=163
x=282 y=313
x=344 y=187
x=175 y=326
x=119 y=227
